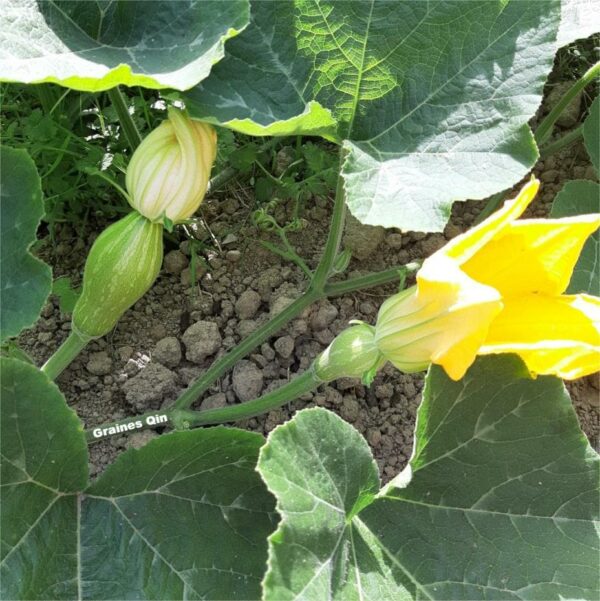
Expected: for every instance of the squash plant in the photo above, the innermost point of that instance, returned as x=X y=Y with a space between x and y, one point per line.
x=429 y=103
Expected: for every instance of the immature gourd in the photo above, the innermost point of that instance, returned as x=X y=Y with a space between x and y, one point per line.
x=121 y=266
x=168 y=174
x=352 y=354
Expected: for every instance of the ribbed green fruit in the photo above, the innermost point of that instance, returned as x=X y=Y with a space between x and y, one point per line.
x=121 y=266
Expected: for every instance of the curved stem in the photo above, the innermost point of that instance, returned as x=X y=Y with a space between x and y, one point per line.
x=183 y=419
x=364 y=281
x=227 y=361
x=129 y=128
x=65 y=353
x=315 y=291
x=334 y=238
x=568 y=138
x=545 y=127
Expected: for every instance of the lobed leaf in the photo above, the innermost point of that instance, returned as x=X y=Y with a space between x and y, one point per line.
x=579 y=19
x=185 y=517
x=25 y=280
x=497 y=502
x=93 y=46
x=430 y=99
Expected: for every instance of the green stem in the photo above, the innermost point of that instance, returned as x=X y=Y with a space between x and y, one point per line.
x=129 y=128
x=227 y=361
x=65 y=353
x=364 y=281
x=315 y=291
x=183 y=419
x=334 y=239
x=545 y=127
x=566 y=140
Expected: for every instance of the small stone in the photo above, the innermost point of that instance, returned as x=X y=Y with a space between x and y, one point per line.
x=247 y=380
x=168 y=351
x=125 y=353
x=158 y=331
x=201 y=340
x=374 y=437
x=551 y=175
x=384 y=391
x=246 y=327
x=175 y=262
x=279 y=303
x=186 y=274
x=432 y=243
x=149 y=387
x=325 y=337
x=324 y=316
x=247 y=305
x=267 y=352
x=139 y=439
x=233 y=256
x=215 y=401
x=100 y=364
x=350 y=409
x=362 y=240
x=284 y=346
x=394 y=240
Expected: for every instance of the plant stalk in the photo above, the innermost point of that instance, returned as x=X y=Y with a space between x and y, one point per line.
x=306 y=382
x=129 y=128
x=315 y=291
x=569 y=138
x=65 y=353
x=545 y=127
x=183 y=419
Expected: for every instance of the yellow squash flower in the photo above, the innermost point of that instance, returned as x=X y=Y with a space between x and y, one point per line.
x=498 y=289
x=169 y=172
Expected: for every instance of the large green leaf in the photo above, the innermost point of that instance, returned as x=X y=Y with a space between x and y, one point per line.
x=25 y=281
x=582 y=197
x=430 y=99
x=185 y=517
x=97 y=45
x=579 y=19
x=591 y=133
x=497 y=502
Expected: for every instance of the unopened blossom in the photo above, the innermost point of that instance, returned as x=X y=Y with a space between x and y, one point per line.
x=169 y=172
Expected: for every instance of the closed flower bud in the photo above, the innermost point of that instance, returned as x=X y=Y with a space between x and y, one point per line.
x=121 y=266
x=169 y=172
x=353 y=354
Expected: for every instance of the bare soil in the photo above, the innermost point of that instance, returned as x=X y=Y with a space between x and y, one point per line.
x=144 y=364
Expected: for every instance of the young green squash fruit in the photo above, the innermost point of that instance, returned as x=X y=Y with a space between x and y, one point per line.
x=121 y=266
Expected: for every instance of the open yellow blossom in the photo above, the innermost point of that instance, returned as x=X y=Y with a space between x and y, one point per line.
x=498 y=289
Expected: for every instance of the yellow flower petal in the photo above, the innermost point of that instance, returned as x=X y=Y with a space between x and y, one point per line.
x=553 y=335
x=443 y=320
x=533 y=256
x=463 y=247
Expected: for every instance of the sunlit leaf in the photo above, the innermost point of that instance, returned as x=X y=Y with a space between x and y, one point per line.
x=498 y=501
x=430 y=99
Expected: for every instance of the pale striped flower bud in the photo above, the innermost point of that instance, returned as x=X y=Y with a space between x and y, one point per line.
x=169 y=172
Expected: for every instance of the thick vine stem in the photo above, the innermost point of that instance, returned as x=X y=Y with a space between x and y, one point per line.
x=544 y=129
x=183 y=419
x=65 y=353
x=562 y=142
x=129 y=128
